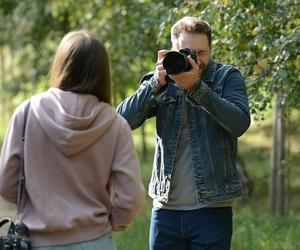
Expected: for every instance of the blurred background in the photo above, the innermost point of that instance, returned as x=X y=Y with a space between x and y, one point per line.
x=260 y=38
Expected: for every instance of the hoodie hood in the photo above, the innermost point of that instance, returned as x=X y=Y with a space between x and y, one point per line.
x=72 y=121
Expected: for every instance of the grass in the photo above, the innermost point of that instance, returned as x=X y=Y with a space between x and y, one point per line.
x=255 y=229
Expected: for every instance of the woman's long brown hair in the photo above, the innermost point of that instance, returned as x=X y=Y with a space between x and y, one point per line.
x=81 y=65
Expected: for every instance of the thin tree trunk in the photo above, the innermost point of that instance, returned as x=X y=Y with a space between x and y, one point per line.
x=2 y=79
x=277 y=184
x=274 y=167
x=144 y=143
x=288 y=150
x=246 y=181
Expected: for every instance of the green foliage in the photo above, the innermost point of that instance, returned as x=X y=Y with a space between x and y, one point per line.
x=263 y=40
x=260 y=38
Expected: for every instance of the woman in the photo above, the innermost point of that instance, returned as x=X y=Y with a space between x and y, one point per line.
x=81 y=169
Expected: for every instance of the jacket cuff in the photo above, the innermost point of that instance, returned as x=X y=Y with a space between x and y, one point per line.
x=154 y=83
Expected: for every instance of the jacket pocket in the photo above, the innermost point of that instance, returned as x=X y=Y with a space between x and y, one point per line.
x=166 y=106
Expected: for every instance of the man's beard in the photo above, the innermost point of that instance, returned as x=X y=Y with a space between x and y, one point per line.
x=203 y=69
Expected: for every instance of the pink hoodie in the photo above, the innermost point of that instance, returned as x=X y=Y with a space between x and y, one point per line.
x=81 y=169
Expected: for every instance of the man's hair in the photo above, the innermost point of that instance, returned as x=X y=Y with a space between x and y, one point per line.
x=81 y=65
x=191 y=25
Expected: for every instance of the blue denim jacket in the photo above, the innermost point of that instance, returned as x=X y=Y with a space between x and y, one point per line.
x=218 y=113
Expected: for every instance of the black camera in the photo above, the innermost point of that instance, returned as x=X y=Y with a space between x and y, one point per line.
x=177 y=62
x=16 y=238
x=14 y=243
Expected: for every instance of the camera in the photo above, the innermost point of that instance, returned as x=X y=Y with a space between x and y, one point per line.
x=14 y=243
x=16 y=238
x=176 y=62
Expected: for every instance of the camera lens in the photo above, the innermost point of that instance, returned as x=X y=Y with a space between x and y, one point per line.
x=174 y=63
x=177 y=62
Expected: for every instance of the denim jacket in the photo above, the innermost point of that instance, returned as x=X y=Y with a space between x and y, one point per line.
x=218 y=113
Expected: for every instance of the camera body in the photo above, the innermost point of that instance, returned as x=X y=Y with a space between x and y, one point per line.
x=176 y=62
x=13 y=242
x=17 y=237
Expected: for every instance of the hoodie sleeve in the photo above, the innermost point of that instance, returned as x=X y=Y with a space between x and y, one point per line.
x=128 y=194
x=10 y=157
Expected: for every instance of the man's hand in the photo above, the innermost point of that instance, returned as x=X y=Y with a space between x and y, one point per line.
x=160 y=72
x=188 y=80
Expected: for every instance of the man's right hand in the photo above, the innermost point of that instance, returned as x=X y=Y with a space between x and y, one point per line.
x=160 y=73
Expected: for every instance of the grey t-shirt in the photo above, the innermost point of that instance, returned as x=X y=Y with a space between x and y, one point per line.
x=182 y=195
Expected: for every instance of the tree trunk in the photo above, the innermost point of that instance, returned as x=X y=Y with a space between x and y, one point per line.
x=287 y=156
x=144 y=143
x=246 y=181
x=277 y=182
x=2 y=79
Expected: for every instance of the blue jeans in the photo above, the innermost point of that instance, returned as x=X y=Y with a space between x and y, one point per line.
x=102 y=243
x=204 y=228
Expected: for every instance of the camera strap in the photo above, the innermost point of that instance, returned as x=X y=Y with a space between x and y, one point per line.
x=5 y=221
x=21 y=187
x=11 y=228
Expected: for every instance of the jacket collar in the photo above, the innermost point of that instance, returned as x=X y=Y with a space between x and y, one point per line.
x=209 y=74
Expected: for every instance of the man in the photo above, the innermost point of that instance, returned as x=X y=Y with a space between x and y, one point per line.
x=199 y=115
